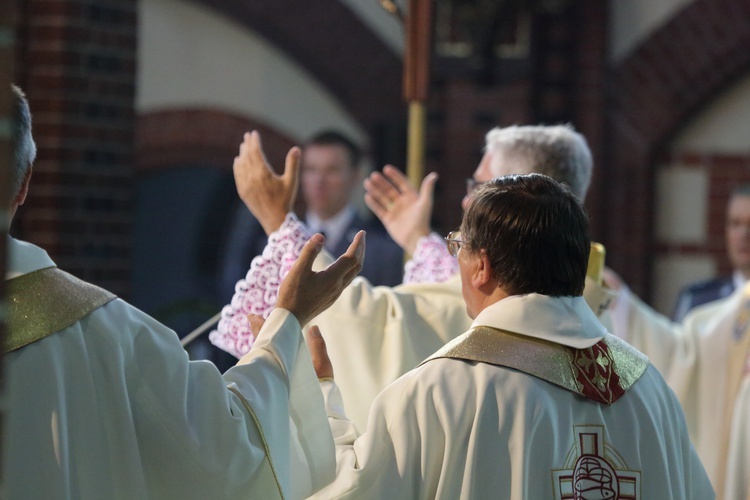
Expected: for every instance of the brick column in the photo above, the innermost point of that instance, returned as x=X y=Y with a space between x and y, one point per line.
x=78 y=69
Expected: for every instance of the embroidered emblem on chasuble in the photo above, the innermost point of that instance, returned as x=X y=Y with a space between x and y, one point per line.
x=602 y=372
x=594 y=469
x=46 y=301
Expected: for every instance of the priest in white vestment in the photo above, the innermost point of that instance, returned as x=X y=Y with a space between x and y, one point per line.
x=101 y=401
x=388 y=331
x=536 y=399
x=704 y=359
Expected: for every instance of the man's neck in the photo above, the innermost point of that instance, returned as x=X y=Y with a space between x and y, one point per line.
x=333 y=227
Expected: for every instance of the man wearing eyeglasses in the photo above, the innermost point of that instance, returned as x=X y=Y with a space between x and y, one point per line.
x=535 y=399
x=388 y=330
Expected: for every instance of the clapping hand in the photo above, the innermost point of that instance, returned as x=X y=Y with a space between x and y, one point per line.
x=404 y=212
x=268 y=196
x=306 y=293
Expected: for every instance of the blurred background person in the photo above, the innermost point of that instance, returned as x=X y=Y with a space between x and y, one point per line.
x=331 y=179
x=738 y=251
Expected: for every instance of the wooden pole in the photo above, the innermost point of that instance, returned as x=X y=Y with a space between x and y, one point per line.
x=416 y=83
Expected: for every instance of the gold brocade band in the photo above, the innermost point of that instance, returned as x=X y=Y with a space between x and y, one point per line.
x=43 y=302
x=541 y=358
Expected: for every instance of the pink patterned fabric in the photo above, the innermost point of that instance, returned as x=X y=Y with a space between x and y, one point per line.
x=431 y=262
x=258 y=292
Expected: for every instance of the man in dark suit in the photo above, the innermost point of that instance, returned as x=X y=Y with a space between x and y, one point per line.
x=330 y=176
x=738 y=249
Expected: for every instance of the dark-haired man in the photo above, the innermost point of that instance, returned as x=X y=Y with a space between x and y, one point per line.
x=331 y=176
x=391 y=330
x=536 y=399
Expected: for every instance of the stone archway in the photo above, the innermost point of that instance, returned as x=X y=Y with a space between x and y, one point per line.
x=355 y=65
x=673 y=74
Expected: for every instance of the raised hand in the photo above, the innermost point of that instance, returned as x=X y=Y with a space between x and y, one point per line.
x=268 y=196
x=305 y=293
x=404 y=212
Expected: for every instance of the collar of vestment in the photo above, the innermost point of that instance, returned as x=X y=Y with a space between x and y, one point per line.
x=587 y=360
x=42 y=299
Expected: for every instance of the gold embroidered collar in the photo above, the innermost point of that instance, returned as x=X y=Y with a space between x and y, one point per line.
x=602 y=372
x=43 y=302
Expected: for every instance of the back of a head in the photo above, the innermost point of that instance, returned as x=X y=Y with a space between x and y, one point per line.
x=335 y=138
x=535 y=233
x=25 y=149
x=557 y=151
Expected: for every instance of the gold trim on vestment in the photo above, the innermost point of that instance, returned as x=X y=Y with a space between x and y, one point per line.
x=541 y=358
x=266 y=448
x=46 y=301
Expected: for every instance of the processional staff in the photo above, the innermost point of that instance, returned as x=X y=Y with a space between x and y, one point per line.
x=416 y=83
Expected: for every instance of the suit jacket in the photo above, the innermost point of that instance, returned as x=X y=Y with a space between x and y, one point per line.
x=700 y=293
x=384 y=259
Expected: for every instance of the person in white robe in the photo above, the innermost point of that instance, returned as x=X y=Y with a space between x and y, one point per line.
x=101 y=401
x=388 y=331
x=536 y=399
x=704 y=360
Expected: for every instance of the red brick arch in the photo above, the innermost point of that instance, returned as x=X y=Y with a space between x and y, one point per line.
x=655 y=91
x=206 y=137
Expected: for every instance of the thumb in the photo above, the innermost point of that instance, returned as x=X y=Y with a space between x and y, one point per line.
x=427 y=189
x=291 y=167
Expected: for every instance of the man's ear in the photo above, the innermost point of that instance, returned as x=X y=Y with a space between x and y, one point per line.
x=482 y=275
x=21 y=195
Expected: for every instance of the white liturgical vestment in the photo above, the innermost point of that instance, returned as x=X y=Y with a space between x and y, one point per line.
x=375 y=334
x=456 y=427
x=704 y=360
x=109 y=406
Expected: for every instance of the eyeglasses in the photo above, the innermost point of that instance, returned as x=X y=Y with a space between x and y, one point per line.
x=454 y=242
x=472 y=185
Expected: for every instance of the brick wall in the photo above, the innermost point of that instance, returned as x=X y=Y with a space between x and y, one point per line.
x=77 y=65
x=725 y=173
x=460 y=114
x=653 y=93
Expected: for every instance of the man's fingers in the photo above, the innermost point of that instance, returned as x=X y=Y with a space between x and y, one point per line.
x=381 y=186
x=381 y=191
x=398 y=179
x=378 y=209
x=319 y=353
x=376 y=194
x=346 y=267
x=311 y=250
x=357 y=247
x=427 y=188
x=256 y=150
x=291 y=168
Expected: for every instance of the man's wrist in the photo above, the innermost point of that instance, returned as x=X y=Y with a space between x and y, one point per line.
x=272 y=222
x=415 y=236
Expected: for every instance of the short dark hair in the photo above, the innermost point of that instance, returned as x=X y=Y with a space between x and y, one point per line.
x=534 y=231
x=335 y=138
